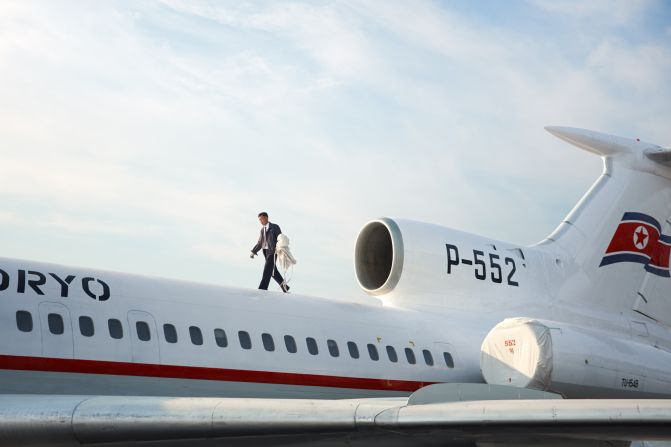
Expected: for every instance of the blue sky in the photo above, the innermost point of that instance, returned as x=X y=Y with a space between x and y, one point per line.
x=146 y=136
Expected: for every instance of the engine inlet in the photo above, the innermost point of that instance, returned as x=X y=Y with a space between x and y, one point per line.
x=378 y=256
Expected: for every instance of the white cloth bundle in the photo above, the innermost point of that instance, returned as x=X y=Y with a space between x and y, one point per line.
x=284 y=257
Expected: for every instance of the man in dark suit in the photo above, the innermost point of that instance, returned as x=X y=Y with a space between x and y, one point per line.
x=267 y=242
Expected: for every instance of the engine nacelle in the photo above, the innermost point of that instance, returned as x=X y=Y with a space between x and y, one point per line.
x=577 y=362
x=422 y=261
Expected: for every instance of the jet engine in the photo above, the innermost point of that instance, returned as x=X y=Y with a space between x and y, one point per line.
x=416 y=258
x=577 y=362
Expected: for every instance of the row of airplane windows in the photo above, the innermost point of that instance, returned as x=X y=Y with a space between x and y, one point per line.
x=24 y=322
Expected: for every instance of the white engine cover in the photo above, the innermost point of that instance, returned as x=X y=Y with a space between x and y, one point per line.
x=572 y=360
x=415 y=263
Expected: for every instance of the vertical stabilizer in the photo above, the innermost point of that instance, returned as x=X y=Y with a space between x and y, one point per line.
x=618 y=236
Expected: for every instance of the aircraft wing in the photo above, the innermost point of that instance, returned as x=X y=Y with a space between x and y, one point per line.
x=32 y=420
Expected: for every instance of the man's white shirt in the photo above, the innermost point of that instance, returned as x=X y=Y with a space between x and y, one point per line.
x=265 y=237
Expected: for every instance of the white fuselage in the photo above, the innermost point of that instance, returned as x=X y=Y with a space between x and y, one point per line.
x=145 y=359
x=41 y=361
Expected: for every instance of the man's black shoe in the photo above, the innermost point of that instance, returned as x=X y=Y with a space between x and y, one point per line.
x=285 y=288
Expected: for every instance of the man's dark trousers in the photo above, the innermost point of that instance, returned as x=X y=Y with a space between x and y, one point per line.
x=270 y=270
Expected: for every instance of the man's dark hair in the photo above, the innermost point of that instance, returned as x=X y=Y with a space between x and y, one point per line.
x=263 y=213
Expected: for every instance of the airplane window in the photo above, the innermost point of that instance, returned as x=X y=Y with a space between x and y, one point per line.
x=268 y=342
x=142 y=329
x=353 y=349
x=170 y=333
x=428 y=358
x=290 y=343
x=115 y=328
x=196 y=335
x=220 y=338
x=86 y=326
x=372 y=352
x=56 y=325
x=333 y=348
x=245 y=340
x=410 y=356
x=449 y=361
x=391 y=353
x=312 y=346
x=24 y=321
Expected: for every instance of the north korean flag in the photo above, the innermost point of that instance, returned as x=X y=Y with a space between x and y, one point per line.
x=638 y=238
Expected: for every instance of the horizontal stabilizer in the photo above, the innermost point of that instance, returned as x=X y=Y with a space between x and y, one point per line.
x=604 y=144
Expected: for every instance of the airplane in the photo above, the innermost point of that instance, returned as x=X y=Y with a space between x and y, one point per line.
x=465 y=340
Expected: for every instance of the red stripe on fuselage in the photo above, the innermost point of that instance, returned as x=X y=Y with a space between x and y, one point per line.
x=50 y=364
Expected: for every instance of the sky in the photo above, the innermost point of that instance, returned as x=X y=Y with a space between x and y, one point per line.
x=146 y=136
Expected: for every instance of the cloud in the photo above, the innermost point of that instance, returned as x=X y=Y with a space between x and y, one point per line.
x=8 y=217
x=640 y=67
x=321 y=31
x=620 y=11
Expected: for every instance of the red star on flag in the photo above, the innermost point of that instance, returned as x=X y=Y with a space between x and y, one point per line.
x=641 y=236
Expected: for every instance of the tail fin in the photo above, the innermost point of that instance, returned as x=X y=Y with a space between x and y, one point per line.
x=619 y=234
